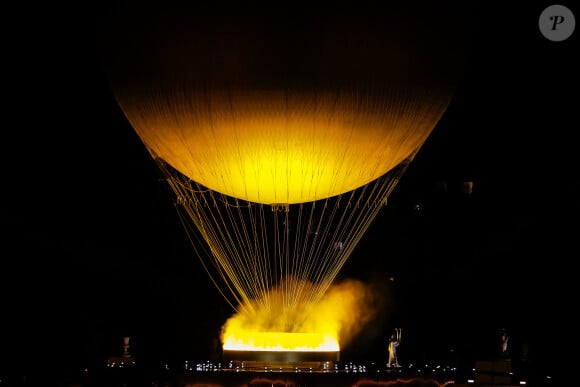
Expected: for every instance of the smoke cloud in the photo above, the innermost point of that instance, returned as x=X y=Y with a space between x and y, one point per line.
x=344 y=310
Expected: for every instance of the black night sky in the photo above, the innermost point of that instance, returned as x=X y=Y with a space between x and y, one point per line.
x=92 y=248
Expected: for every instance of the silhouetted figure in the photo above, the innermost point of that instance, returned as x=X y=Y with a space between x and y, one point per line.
x=504 y=338
x=394 y=342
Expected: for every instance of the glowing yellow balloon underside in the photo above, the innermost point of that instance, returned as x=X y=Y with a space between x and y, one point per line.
x=272 y=147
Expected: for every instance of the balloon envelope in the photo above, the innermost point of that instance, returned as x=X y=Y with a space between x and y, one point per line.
x=282 y=110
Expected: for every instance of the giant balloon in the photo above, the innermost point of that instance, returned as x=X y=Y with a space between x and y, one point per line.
x=282 y=106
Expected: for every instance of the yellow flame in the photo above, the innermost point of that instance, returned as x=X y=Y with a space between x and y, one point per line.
x=281 y=341
x=322 y=327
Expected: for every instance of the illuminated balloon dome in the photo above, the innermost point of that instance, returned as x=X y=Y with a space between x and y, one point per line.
x=281 y=146
x=281 y=108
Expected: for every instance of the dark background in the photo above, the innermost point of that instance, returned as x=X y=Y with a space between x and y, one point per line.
x=92 y=248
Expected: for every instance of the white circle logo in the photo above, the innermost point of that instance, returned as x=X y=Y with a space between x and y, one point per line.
x=557 y=23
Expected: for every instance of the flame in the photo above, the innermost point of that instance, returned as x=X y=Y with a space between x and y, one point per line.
x=325 y=326
x=281 y=341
